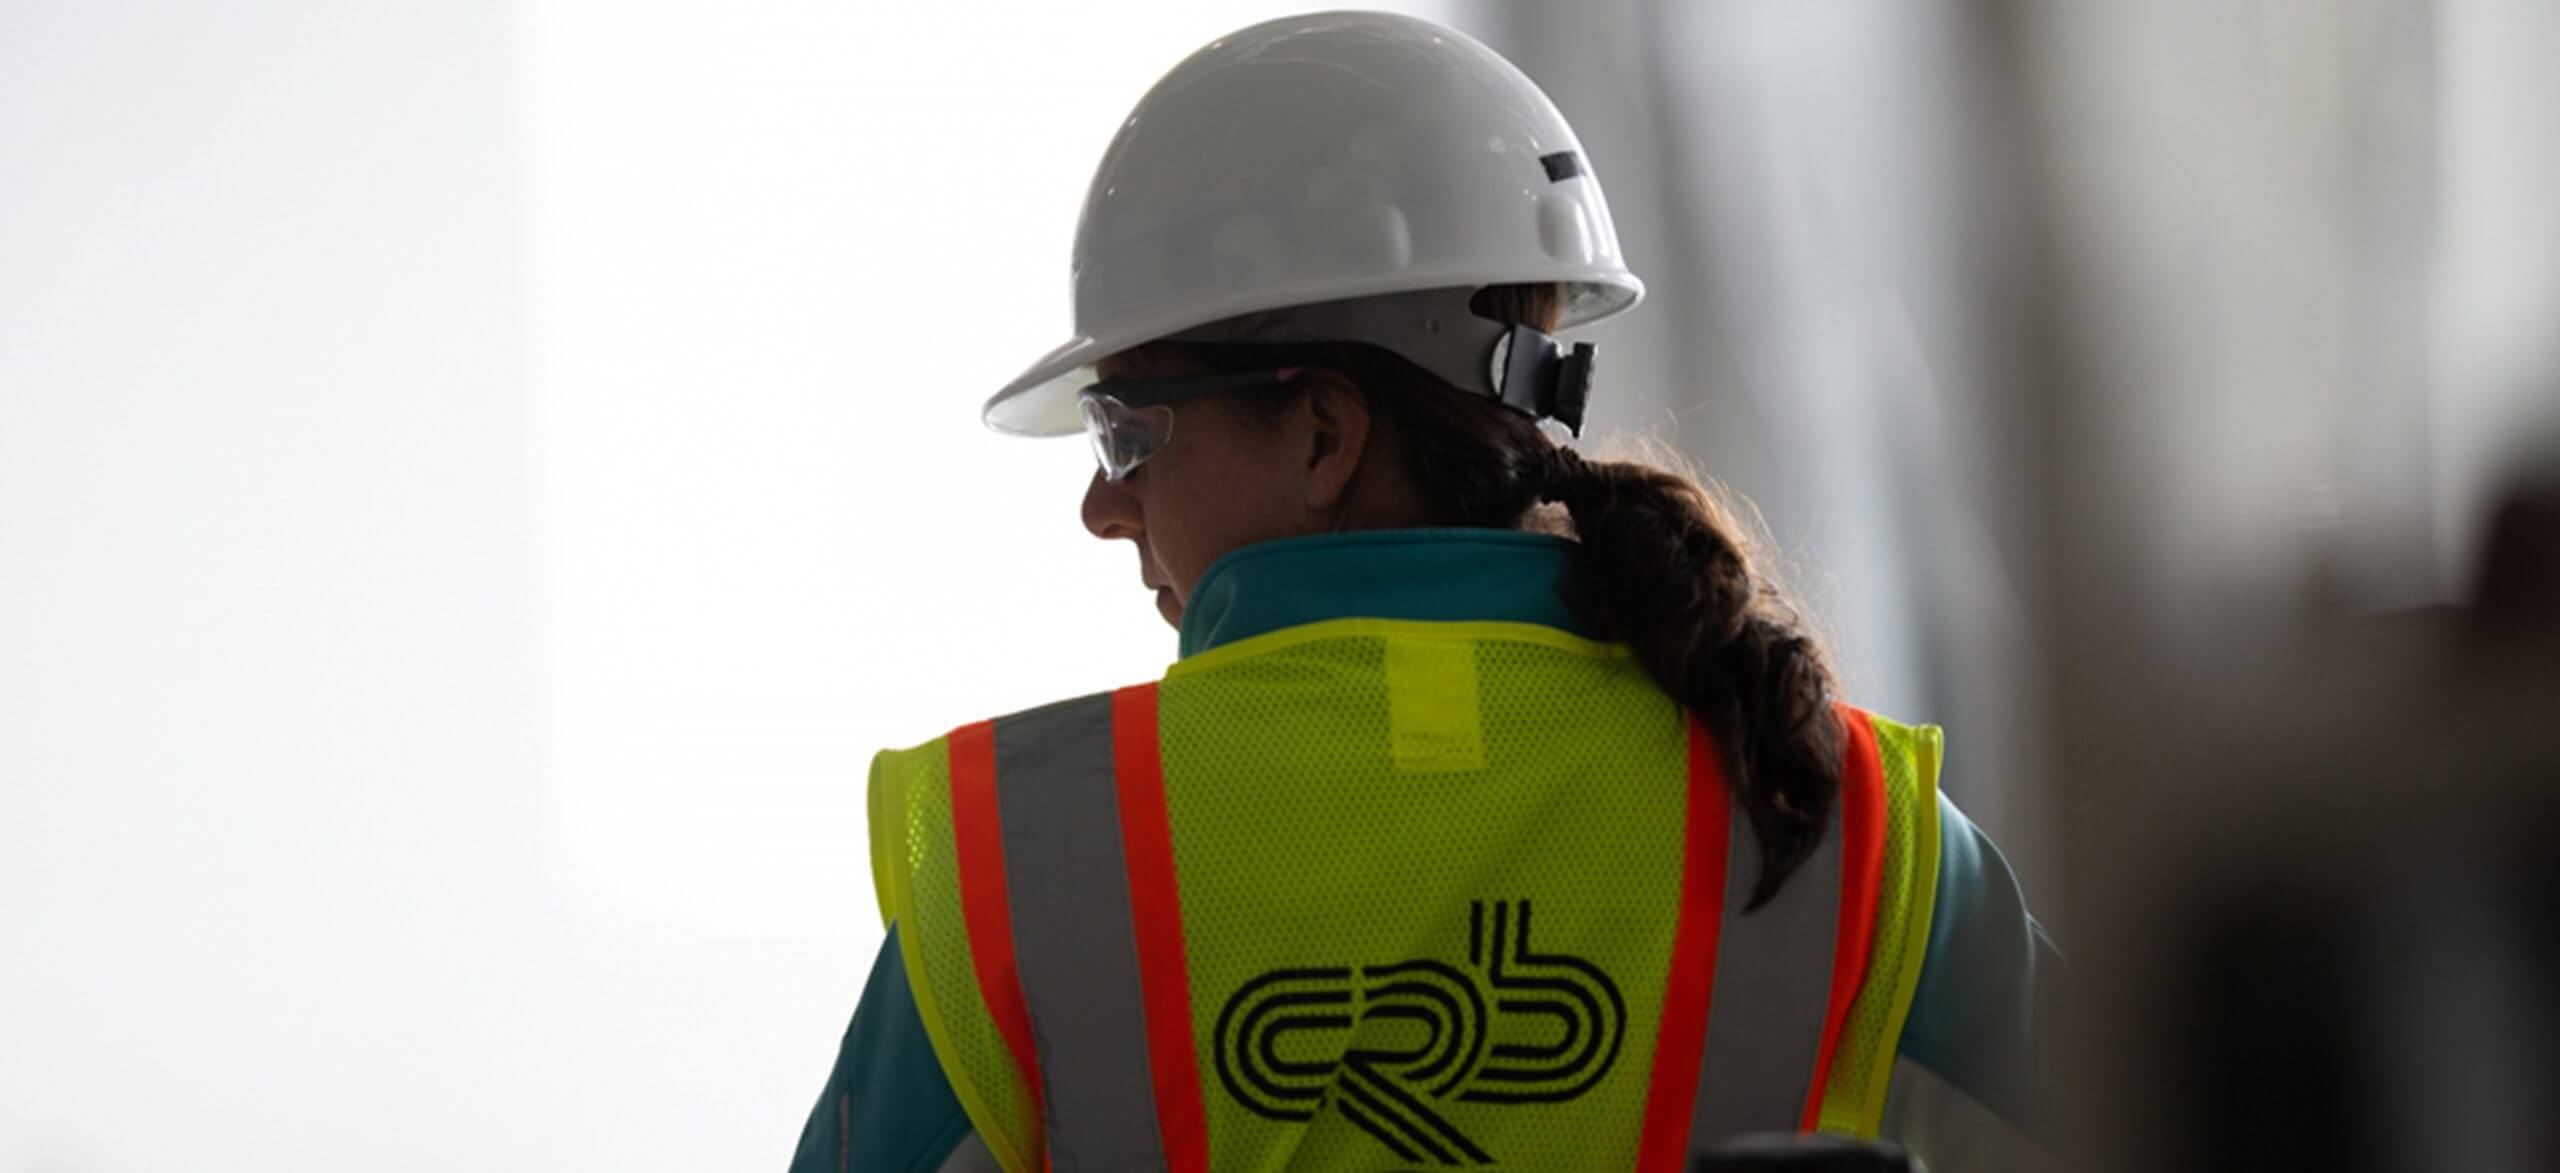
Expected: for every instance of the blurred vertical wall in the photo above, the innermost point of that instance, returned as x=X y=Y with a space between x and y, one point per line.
x=2291 y=331
x=2156 y=367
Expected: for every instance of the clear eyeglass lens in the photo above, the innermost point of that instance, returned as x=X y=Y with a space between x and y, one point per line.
x=1123 y=436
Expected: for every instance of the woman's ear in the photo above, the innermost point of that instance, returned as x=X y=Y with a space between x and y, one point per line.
x=1337 y=437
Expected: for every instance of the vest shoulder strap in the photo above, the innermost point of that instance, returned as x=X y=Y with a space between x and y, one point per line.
x=922 y=840
x=1892 y=771
x=968 y=837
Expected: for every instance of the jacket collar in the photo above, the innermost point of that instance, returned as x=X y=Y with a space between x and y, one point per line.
x=1434 y=575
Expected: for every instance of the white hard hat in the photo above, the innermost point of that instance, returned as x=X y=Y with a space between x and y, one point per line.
x=1327 y=158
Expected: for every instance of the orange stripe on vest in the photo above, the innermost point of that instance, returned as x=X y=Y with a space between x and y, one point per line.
x=978 y=849
x=1861 y=801
x=1155 y=903
x=1669 y=1099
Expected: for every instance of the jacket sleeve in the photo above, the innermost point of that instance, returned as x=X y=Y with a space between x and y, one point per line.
x=886 y=1107
x=1970 y=1079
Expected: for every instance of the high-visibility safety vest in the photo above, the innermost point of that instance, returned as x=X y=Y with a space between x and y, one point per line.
x=1371 y=893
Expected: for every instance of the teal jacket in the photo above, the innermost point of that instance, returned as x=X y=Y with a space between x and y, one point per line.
x=1966 y=1087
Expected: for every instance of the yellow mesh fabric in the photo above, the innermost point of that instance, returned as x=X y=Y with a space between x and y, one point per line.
x=912 y=857
x=1299 y=843
x=1853 y=1099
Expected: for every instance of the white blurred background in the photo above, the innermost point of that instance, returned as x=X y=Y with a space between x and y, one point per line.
x=477 y=480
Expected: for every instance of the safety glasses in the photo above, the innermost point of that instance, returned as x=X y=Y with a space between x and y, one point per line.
x=1130 y=420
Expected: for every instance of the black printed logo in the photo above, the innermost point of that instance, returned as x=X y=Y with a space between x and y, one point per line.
x=1388 y=1046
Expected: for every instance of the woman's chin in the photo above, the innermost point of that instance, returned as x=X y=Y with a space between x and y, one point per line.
x=1169 y=607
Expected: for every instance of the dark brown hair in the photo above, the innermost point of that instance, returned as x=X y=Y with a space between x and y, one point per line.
x=1663 y=565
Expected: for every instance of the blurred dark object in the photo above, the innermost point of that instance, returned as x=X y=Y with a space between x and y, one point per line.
x=2333 y=912
x=1789 y=1153
x=2519 y=581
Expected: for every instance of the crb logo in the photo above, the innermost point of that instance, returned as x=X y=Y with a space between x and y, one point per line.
x=1383 y=1044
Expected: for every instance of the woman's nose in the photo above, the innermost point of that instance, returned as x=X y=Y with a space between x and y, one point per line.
x=1110 y=510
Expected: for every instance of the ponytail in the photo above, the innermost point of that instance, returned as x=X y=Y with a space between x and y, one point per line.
x=1662 y=571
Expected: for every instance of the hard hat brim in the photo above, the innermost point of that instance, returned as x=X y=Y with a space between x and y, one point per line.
x=1041 y=401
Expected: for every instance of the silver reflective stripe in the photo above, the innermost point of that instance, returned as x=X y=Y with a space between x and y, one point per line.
x=1074 y=941
x=1772 y=991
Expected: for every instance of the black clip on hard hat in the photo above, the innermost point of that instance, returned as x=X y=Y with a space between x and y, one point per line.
x=1537 y=377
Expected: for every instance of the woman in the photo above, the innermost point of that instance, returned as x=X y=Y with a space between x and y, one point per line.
x=1498 y=811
